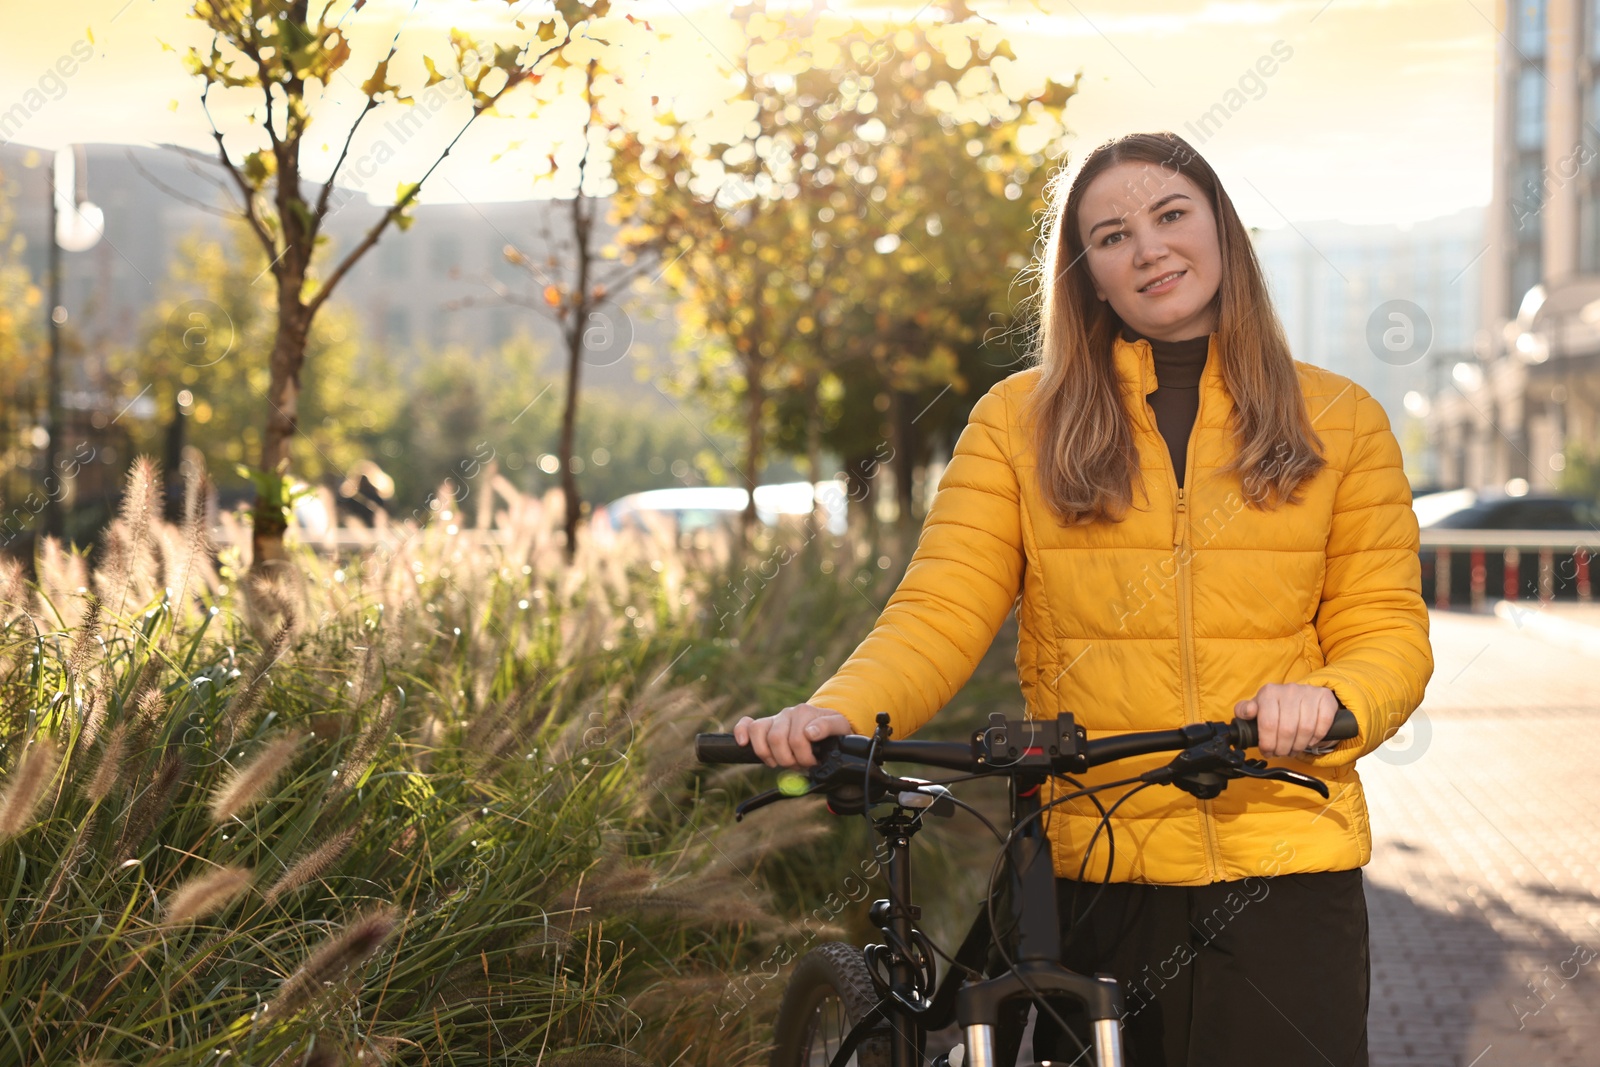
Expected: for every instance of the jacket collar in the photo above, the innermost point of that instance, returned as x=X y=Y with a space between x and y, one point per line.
x=1136 y=364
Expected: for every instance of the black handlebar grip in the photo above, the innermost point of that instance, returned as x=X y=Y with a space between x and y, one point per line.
x=722 y=748
x=1344 y=727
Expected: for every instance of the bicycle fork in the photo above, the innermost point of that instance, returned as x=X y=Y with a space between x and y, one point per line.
x=978 y=1009
x=1038 y=970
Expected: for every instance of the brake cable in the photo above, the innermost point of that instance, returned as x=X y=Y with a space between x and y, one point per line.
x=994 y=871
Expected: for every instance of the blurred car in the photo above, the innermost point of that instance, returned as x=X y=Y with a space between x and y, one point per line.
x=1572 y=521
x=693 y=508
x=1519 y=513
x=1431 y=507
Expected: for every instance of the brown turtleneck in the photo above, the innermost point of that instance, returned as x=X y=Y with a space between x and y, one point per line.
x=1179 y=365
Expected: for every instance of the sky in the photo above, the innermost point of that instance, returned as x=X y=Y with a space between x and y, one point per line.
x=1376 y=111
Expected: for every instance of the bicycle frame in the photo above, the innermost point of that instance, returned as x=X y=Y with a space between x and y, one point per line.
x=976 y=1006
x=1209 y=755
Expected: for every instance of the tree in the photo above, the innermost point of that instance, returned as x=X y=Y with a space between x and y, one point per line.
x=21 y=304
x=837 y=232
x=578 y=281
x=443 y=433
x=194 y=354
x=286 y=59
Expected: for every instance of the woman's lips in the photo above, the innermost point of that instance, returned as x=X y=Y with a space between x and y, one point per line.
x=1166 y=285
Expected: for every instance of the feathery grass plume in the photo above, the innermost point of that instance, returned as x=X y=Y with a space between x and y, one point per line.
x=158 y=544
x=25 y=788
x=111 y=575
x=192 y=533
x=62 y=572
x=148 y=714
x=17 y=598
x=139 y=508
x=204 y=894
x=334 y=958
x=430 y=737
x=364 y=750
x=149 y=808
x=139 y=500
x=366 y=678
x=149 y=677
x=88 y=639
x=551 y=935
x=241 y=709
x=618 y=885
x=109 y=770
x=312 y=865
x=253 y=780
x=270 y=602
x=195 y=480
x=487 y=733
x=93 y=715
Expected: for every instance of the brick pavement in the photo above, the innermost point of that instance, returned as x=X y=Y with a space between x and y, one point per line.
x=1484 y=887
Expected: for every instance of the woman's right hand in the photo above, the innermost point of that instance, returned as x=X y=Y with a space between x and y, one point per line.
x=784 y=739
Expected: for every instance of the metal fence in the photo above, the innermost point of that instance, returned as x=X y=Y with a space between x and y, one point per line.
x=1466 y=567
x=91 y=463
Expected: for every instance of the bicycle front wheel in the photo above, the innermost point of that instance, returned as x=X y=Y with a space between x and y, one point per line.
x=828 y=994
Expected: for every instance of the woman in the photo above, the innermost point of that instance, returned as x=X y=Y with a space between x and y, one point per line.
x=1199 y=526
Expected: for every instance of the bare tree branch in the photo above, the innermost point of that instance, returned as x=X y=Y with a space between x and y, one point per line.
x=268 y=243
x=181 y=197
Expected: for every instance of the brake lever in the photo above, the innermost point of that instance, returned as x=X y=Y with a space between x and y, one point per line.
x=1205 y=770
x=1257 y=768
x=760 y=800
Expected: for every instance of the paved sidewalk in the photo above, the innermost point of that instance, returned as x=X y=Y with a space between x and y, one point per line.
x=1484 y=888
x=1565 y=624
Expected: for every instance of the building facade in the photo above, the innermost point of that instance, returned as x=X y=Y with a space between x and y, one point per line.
x=1513 y=415
x=1342 y=291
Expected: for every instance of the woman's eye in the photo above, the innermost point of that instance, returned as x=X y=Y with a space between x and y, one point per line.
x=1108 y=238
x=1175 y=211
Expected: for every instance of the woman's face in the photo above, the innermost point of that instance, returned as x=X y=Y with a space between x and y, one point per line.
x=1141 y=225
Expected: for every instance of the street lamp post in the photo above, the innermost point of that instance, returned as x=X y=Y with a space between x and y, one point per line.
x=77 y=229
x=53 y=520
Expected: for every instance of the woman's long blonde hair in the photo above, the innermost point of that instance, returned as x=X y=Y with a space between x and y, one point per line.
x=1088 y=461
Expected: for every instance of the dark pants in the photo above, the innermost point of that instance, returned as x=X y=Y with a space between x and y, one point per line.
x=1269 y=971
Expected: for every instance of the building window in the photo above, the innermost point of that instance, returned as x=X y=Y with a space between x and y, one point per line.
x=1453 y=314
x=1527 y=195
x=1524 y=274
x=1590 y=134
x=1589 y=231
x=1530 y=108
x=1530 y=28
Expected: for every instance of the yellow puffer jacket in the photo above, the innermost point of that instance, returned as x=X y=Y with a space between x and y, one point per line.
x=1191 y=603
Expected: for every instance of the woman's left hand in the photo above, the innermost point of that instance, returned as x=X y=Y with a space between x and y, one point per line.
x=1290 y=717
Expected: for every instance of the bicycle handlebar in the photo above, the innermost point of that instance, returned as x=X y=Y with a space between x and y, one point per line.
x=953 y=755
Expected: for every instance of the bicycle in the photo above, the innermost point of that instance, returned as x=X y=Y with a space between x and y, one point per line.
x=875 y=1005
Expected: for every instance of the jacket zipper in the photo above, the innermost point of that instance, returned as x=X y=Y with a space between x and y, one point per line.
x=1180 y=541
